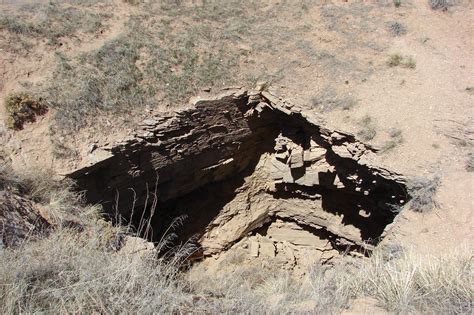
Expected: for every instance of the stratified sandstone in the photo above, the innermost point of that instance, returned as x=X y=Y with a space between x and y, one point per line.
x=248 y=164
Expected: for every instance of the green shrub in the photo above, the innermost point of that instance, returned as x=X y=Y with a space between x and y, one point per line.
x=403 y=61
x=22 y=108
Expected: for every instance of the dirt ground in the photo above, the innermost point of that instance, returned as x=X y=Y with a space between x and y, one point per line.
x=331 y=60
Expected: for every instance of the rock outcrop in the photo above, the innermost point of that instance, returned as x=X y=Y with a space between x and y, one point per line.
x=19 y=220
x=248 y=164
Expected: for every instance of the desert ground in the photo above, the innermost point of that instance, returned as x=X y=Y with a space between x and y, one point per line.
x=156 y=156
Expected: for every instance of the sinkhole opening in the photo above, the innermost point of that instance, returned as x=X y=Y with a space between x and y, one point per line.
x=244 y=165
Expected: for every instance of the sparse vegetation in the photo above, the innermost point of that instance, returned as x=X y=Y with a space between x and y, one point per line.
x=368 y=129
x=440 y=4
x=158 y=58
x=396 y=138
x=396 y=60
x=52 y=21
x=166 y=52
x=62 y=202
x=420 y=284
x=396 y=28
x=328 y=100
x=470 y=162
x=23 y=108
x=423 y=191
x=75 y=272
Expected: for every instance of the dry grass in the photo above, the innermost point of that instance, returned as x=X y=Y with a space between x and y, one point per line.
x=166 y=53
x=52 y=21
x=75 y=273
x=59 y=199
x=423 y=191
x=80 y=270
x=420 y=283
x=396 y=138
x=326 y=289
x=328 y=100
x=368 y=128
x=77 y=267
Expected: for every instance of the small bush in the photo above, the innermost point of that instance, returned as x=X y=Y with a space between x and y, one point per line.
x=397 y=29
x=396 y=60
x=440 y=4
x=368 y=129
x=23 y=108
x=397 y=3
x=423 y=192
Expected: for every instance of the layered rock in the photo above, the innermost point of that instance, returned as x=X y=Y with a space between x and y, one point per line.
x=248 y=164
x=19 y=220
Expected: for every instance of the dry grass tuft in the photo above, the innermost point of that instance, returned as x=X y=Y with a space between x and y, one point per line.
x=368 y=129
x=421 y=284
x=60 y=201
x=403 y=282
x=423 y=191
x=256 y=289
